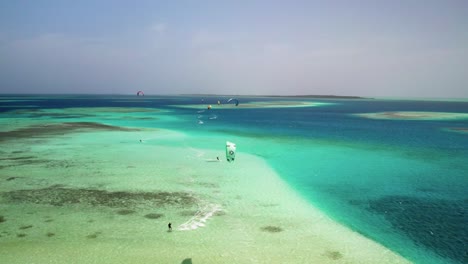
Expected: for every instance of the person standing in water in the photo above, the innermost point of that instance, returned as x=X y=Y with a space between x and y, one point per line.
x=169 y=226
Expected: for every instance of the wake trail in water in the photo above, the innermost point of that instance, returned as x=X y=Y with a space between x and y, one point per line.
x=201 y=216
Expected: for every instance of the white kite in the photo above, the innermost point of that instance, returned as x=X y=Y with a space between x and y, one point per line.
x=230 y=151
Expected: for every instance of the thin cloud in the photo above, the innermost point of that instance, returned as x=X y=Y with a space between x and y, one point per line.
x=266 y=52
x=159 y=28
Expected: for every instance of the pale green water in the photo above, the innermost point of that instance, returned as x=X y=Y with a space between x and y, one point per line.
x=84 y=196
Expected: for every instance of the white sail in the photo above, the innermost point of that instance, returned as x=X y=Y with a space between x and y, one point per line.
x=230 y=151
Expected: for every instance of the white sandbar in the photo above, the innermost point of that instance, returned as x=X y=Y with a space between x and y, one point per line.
x=415 y=115
x=273 y=104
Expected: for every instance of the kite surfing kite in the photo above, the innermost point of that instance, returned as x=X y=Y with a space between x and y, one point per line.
x=140 y=93
x=233 y=99
x=230 y=151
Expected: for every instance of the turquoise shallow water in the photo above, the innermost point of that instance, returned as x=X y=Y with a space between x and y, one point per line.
x=400 y=182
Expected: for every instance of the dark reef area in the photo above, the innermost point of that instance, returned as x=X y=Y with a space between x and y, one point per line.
x=54 y=129
x=58 y=195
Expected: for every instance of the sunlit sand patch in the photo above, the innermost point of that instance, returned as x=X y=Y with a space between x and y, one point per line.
x=415 y=115
x=272 y=104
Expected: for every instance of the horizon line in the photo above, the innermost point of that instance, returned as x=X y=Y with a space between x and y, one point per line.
x=323 y=96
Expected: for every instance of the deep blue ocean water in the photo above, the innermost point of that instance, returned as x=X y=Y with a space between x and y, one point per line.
x=402 y=183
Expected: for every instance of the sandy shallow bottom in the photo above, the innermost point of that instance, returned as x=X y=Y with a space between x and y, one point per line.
x=106 y=197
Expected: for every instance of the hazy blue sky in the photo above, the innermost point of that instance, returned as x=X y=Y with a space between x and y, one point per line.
x=368 y=48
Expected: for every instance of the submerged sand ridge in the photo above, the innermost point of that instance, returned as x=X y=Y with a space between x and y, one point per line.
x=408 y=115
x=114 y=204
x=463 y=130
x=250 y=105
